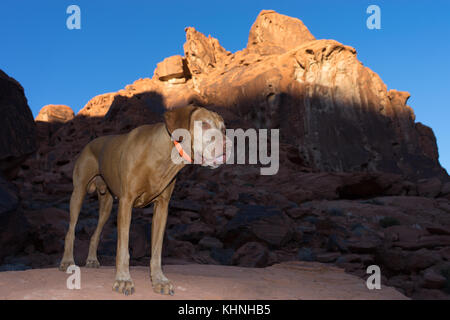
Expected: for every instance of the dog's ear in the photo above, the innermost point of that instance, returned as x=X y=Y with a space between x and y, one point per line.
x=178 y=118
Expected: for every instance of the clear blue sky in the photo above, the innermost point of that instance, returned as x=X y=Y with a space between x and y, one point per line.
x=121 y=41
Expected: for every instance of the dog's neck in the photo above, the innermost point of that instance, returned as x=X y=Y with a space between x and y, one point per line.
x=178 y=146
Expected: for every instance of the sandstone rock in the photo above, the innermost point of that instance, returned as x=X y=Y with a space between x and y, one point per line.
x=328 y=257
x=399 y=260
x=429 y=187
x=210 y=242
x=254 y=222
x=8 y=198
x=272 y=29
x=178 y=249
x=17 y=128
x=251 y=254
x=202 y=53
x=446 y=190
x=222 y=255
x=433 y=280
x=173 y=67
x=440 y=230
x=445 y=253
x=55 y=114
x=303 y=93
x=192 y=232
x=429 y=294
x=306 y=254
x=97 y=106
x=140 y=239
x=430 y=241
x=50 y=119
x=404 y=233
x=363 y=245
x=13 y=226
x=47 y=228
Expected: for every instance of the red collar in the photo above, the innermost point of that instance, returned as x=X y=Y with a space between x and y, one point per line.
x=181 y=151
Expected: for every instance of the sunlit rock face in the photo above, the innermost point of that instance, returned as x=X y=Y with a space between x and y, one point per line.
x=336 y=113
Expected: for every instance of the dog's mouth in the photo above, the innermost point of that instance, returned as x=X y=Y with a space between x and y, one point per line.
x=214 y=162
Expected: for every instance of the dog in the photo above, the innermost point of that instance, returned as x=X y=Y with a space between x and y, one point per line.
x=138 y=169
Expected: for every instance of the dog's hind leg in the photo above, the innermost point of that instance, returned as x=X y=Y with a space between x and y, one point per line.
x=76 y=201
x=105 y=205
x=86 y=168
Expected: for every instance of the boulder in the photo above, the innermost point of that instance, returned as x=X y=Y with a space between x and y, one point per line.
x=51 y=118
x=55 y=114
x=433 y=280
x=173 y=67
x=278 y=32
x=17 y=127
x=251 y=254
x=253 y=222
x=429 y=187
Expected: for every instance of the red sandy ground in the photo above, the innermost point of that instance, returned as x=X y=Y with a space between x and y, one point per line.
x=292 y=280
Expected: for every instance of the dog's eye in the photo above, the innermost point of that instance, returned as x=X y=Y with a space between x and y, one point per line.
x=205 y=125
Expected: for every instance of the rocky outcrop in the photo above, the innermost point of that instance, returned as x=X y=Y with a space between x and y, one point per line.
x=172 y=69
x=17 y=128
x=337 y=113
x=50 y=118
x=276 y=33
x=55 y=114
x=97 y=106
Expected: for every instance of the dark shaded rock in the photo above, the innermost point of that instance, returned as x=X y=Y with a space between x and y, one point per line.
x=17 y=127
x=328 y=257
x=187 y=205
x=8 y=197
x=253 y=222
x=178 y=249
x=306 y=254
x=192 y=232
x=399 y=260
x=433 y=280
x=251 y=254
x=140 y=239
x=429 y=187
x=223 y=256
x=336 y=243
x=210 y=242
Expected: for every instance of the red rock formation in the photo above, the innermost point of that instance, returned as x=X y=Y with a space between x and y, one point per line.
x=277 y=32
x=50 y=118
x=17 y=128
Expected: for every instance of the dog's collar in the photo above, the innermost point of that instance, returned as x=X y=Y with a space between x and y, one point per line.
x=180 y=150
x=183 y=154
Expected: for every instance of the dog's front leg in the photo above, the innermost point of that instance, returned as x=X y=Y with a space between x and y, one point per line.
x=159 y=281
x=123 y=283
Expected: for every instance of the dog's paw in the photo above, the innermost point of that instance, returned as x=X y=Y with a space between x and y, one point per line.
x=92 y=264
x=124 y=286
x=162 y=286
x=65 y=264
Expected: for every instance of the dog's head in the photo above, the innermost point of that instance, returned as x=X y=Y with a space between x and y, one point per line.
x=199 y=130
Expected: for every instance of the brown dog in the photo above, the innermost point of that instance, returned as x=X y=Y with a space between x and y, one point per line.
x=137 y=168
